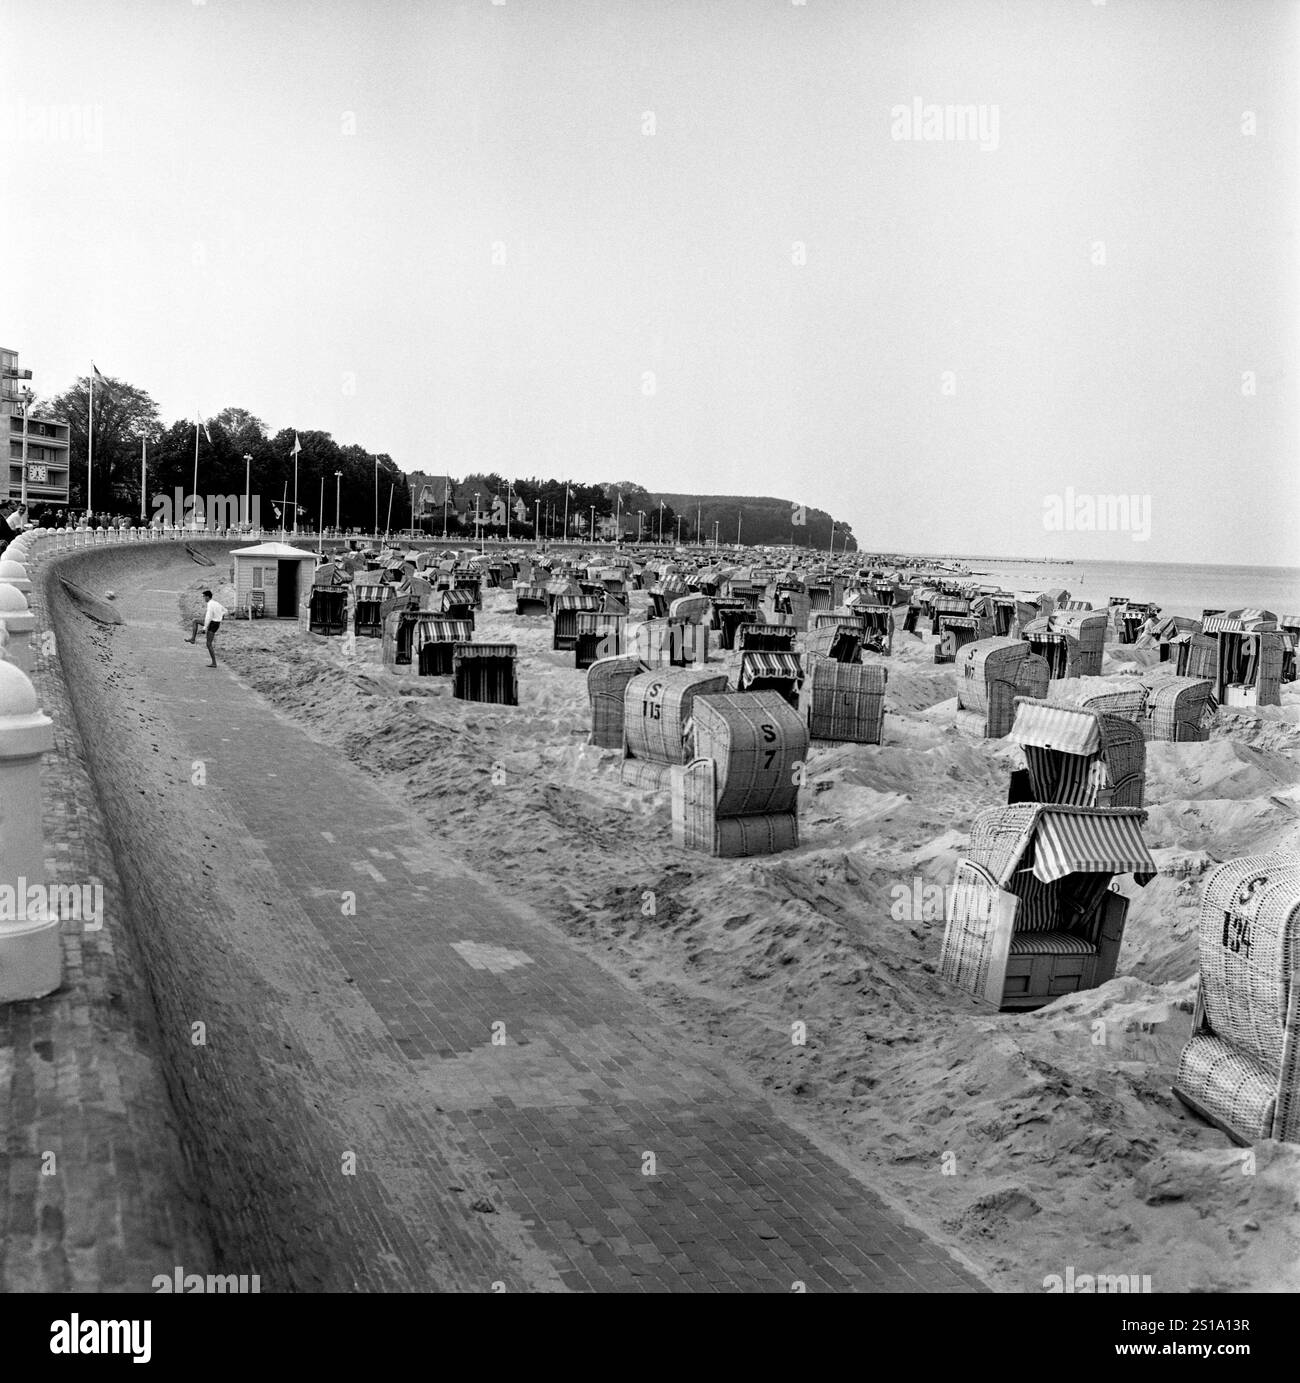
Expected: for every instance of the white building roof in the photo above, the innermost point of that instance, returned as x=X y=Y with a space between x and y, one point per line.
x=280 y=551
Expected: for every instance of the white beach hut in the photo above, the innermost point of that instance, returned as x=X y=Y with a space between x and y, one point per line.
x=272 y=576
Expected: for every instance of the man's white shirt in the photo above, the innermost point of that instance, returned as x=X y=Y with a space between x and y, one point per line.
x=215 y=613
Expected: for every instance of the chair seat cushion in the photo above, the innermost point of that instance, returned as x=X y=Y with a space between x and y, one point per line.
x=1234 y=1086
x=1050 y=944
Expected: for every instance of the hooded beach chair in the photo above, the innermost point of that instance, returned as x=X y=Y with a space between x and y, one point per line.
x=1077 y=757
x=779 y=672
x=657 y=705
x=1180 y=709
x=991 y=674
x=738 y=795
x=1241 y=1068
x=1032 y=915
x=485 y=672
x=845 y=701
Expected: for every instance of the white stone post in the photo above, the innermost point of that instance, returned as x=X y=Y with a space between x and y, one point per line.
x=14 y=574
x=18 y=622
x=31 y=955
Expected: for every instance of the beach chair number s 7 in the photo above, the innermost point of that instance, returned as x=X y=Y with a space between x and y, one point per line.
x=770 y=736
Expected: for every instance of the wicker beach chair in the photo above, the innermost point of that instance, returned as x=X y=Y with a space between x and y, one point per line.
x=1077 y=757
x=765 y=638
x=1250 y=653
x=566 y=610
x=1241 y=1068
x=372 y=603
x=1119 y=696
x=845 y=701
x=485 y=672
x=1032 y=915
x=780 y=672
x=669 y=642
x=955 y=632
x=657 y=705
x=739 y=795
x=531 y=599
x=692 y=609
x=600 y=635
x=991 y=674
x=607 y=680
x=458 y=603
x=433 y=643
x=327 y=609
x=1181 y=709
x=840 y=642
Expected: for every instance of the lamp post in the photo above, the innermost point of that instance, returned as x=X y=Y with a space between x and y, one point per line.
x=618 y=518
x=248 y=486
x=661 y=523
x=338 y=481
x=446 y=491
x=477 y=530
x=640 y=515
x=25 y=398
x=509 y=491
x=376 y=498
x=537 y=521
x=716 y=522
x=739 y=517
x=679 y=530
x=592 y=532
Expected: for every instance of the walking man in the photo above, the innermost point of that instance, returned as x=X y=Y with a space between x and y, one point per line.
x=210 y=622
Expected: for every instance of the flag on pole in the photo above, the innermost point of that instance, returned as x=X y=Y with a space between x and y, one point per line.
x=198 y=419
x=98 y=376
x=297 y=445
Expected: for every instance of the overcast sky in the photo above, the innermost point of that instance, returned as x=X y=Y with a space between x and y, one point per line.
x=563 y=237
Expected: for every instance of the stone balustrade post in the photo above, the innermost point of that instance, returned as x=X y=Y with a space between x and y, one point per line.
x=31 y=954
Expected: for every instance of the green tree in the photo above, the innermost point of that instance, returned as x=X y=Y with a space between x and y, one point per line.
x=124 y=416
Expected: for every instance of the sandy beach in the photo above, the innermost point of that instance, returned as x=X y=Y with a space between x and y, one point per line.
x=1032 y=1143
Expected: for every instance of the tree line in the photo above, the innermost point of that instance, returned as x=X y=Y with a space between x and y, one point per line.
x=362 y=488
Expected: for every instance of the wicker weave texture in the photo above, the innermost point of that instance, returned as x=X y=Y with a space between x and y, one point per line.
x=606 y=684
x=656 y=708
x=845 y=701
x=987 y=681
x=1178 y=708
x=756 y=739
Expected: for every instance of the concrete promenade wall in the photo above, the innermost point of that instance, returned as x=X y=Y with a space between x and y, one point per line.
x=235 y=1120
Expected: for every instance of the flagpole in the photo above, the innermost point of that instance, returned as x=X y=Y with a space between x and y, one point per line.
x=297 y=447
x=564 y=537
x=195 y=491
x=144 y=480
x=320 y=528
x=284 y=504
x=388 y=522
x=90 y=439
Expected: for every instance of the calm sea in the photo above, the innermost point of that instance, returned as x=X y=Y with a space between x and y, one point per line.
x=1178 y=588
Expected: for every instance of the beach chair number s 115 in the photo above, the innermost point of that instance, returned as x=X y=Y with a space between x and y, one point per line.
x=650 y=706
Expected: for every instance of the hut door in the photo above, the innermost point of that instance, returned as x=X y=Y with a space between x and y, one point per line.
x=286 y=605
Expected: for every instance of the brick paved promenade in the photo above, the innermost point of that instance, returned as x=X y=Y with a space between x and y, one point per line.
x=373 y=1077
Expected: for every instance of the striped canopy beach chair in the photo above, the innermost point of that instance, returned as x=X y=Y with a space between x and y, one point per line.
x=1241 y=1068
x=485 y=672
x=772 y=671
x=1032 y=915
x=1077 y=757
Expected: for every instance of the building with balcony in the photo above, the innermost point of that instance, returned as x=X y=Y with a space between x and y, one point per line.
x=48 y=440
